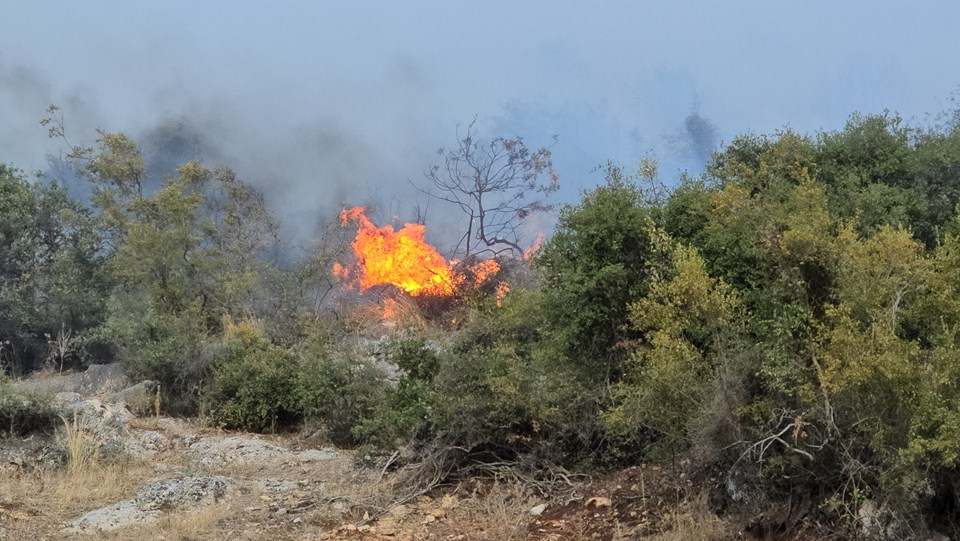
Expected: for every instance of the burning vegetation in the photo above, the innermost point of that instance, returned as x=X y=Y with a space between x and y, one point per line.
x=404 y=259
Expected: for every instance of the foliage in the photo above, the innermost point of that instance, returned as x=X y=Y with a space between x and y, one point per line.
x=340 y=392
x=788 y=322
x=22 y=412
x=51 y=277
x=251 y=389
x=175 y=350
x=666 y=384
x=408 y=410
x=598 y=262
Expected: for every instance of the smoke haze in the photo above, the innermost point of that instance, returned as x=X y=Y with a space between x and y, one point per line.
x=323 y=104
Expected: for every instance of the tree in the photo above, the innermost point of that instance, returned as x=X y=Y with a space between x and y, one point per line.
x=51 y=278
x=492 y=184
x=599 y=261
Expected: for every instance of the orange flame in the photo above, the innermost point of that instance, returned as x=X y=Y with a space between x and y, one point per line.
x=535 y=247
x=404 y=259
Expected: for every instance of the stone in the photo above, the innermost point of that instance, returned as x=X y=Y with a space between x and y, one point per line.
x=112 y=517
x=538 y=510
x=145 y=443
x=220 y=451
x=140 y=398
x=182 y=492
x=150 y=502
x=317 y=455
x=599 y=501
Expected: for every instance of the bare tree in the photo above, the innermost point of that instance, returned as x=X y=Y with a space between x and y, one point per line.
x=497 y=185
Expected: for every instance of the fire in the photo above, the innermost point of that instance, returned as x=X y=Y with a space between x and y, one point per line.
x=535 y=247
x=404 y=259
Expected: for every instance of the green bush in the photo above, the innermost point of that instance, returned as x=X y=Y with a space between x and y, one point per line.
x=254 y=387
x=597 y=263
x=23 y=412
x=500 y=389
x=175 y=350
x=407 y=411
x=339 y=393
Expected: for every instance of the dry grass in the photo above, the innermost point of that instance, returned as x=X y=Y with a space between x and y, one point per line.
x=695 y=522
x=203 y=523
x=501 y=513
x=82 y=446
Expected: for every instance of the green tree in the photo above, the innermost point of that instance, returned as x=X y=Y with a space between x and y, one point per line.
x=52 y=285
x=598 y=262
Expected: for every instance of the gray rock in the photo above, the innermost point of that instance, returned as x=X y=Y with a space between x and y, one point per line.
x=98 y=378
x=112 y=517
x=103 y=378
x=220 y=451
x=182 y=492
x=538 y=510
x=106 y=422
x=151 y=502
x=140 y=398
x=275 y=486
x=145 y=443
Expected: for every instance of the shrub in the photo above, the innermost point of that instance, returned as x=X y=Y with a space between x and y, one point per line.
x=596 y=264
x=253 y=387
x=22 y=412
x=339 y=392
x=407 y=410
x=176 y=351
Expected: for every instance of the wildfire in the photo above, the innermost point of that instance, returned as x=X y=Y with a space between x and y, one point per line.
x=535 y=247
x=404 y=259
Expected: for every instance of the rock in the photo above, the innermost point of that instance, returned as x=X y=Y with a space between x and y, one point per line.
x=140 y=398
x=275 y=486
x=145 y=443
x=107 y=423
x=220 y=451
x=112 y=517
x=150 y=502
x=316 y=455
x=98 y=378
x=538 y=510
x=599 y=501
x=182 y=492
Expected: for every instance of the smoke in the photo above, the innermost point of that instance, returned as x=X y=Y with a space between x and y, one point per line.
x=700 y=136
x=693 y=143
x=308 y=164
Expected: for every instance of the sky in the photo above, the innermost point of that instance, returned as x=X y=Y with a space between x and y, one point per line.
x=323 y=104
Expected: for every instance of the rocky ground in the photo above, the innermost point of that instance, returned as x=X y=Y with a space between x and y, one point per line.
x=136 y=475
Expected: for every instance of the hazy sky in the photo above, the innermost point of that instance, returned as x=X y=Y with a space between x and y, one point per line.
x=323 y=103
